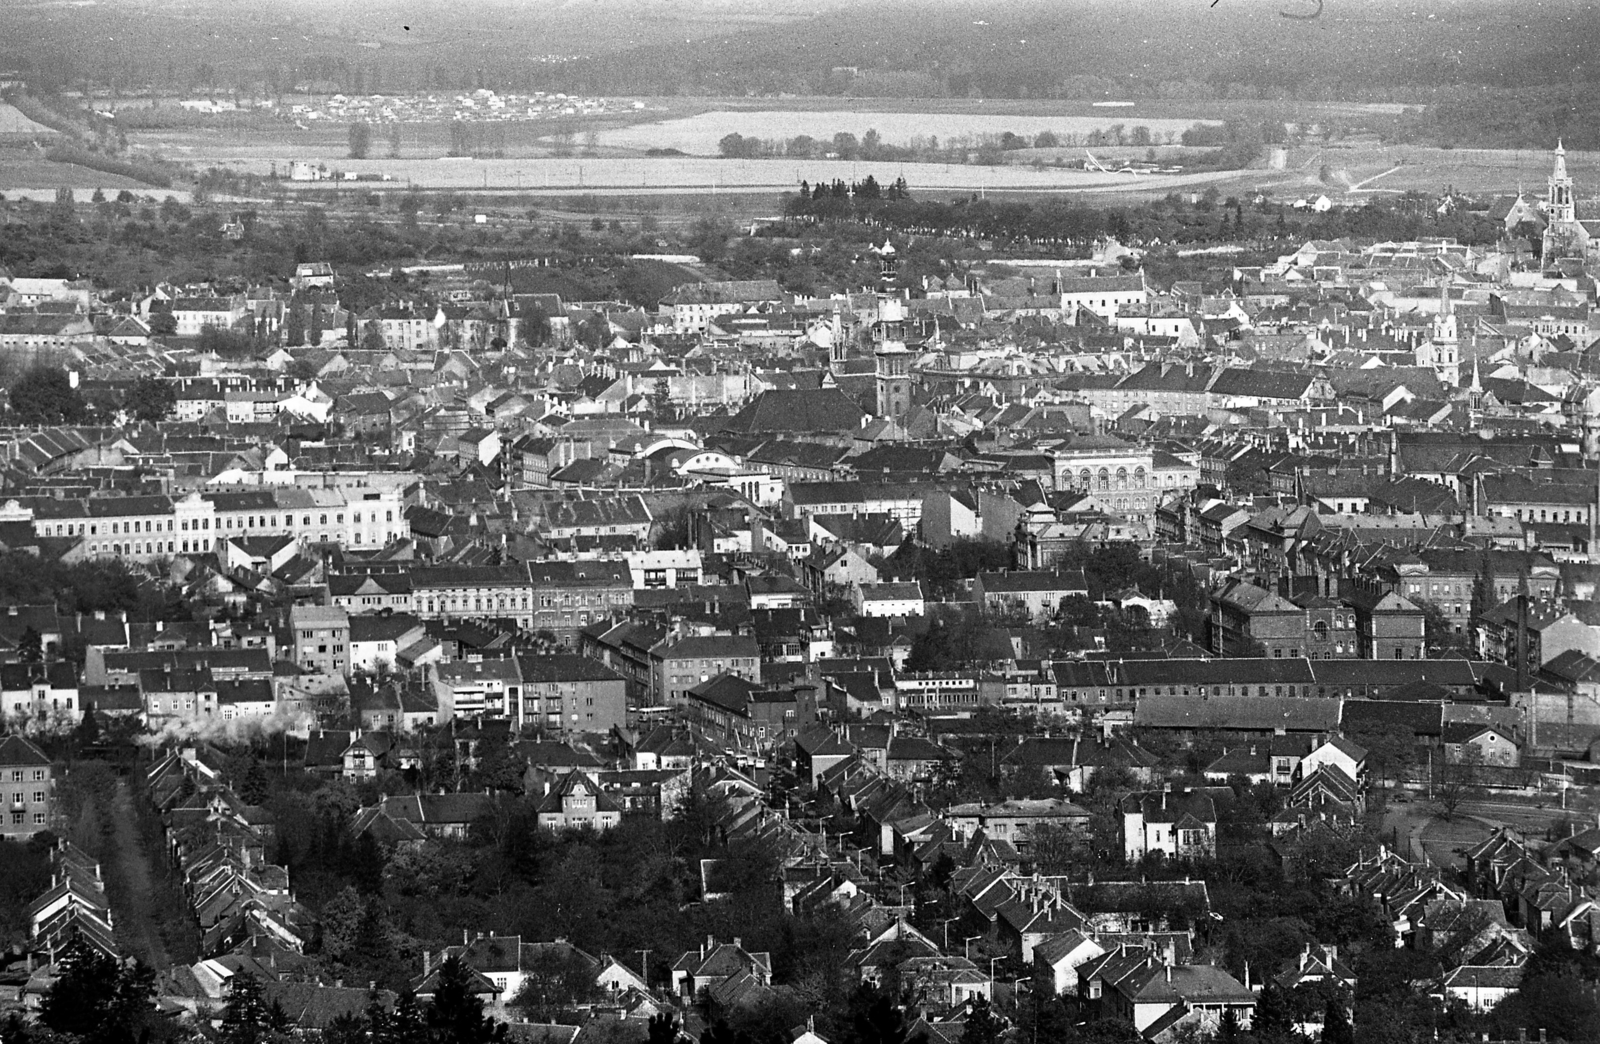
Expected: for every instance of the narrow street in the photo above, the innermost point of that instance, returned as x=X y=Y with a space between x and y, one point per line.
x=129 y=885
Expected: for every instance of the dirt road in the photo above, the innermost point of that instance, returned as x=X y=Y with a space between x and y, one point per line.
x=129 y=884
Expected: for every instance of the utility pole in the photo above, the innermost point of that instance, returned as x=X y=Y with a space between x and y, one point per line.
x=646 y=962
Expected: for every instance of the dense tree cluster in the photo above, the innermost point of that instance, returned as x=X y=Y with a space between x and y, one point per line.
x=1170 y=220
x=45 y=395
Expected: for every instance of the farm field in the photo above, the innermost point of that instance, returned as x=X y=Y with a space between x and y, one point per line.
x=12 y=121
x=1431 y=169
x=699 y=134
x=21 y=171
x=677 y=174
x=1142 y=109
x=606 y=152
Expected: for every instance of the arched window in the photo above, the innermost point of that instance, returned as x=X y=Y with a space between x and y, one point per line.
x=1105 y=479
x=1138 y=478
x=1320 y=630
x=1084 y=479
x=1122 y=478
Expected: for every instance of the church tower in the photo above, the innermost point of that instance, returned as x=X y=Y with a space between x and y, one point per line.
x=894 y=379
x=1564 y=235
x=1559 y=205
x=1444 y=347
x=888 y=268
x=893 y=360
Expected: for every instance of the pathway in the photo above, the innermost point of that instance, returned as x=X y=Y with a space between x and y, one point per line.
x=134 y=895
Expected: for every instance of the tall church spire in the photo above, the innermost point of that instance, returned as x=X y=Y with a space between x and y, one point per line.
x=1559 y=206
x=1443 y=349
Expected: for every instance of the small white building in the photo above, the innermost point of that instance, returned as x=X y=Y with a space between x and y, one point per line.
x=1344 y=754
x=889 y=600
x=653 y=570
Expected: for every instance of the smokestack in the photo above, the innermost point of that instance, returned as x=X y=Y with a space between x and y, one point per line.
x=1521 y=646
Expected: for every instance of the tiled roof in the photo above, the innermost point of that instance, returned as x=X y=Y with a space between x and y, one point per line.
x=823 y=410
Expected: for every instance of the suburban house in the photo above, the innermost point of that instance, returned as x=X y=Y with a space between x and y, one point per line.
x=1176 y=823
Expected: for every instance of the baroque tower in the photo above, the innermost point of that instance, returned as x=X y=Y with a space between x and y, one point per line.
x=893 y=360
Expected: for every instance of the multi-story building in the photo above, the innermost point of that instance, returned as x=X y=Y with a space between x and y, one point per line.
x=1102 y=295
x=144 y=528
x=1547 y=629
x=566 y=692
x=193 y=314
x=627 y=649
x=39 y=332
x=354 y=515
x=1388 y=627
x=1118 y=473
x=693 y=306
x=746 y=715
x=177 y=694
x=1035 y=592
x=933 y=691
x=682 y=661
x=577 y=801
x=531 y=459
x=569 y=596
x=652 y=570
x=457 y=591
x=1247 y=620
x=359 y=593
x=854 y=498
x=321 y=636
x=478 y=687
x=27 y=781
x=1444 y=578
x=38 y=692
x=141 y=528
x=376 y=639
x=403 y=328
